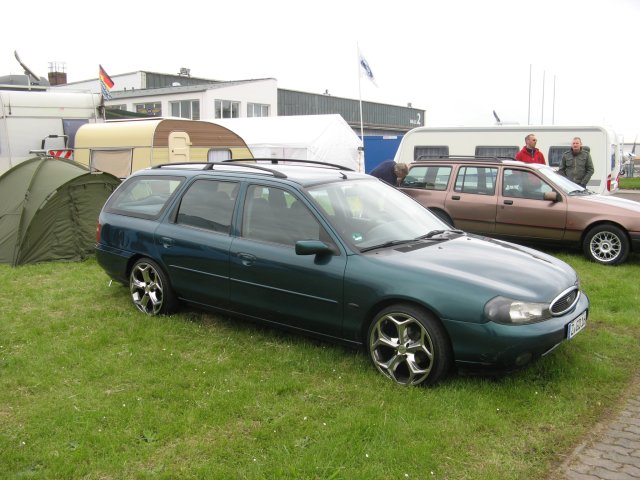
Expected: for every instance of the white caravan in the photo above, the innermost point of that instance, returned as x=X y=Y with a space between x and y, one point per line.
x=42 y=121
x=507 y=140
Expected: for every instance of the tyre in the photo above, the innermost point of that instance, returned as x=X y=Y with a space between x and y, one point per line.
x=409 y=345
x=606 y=244
x=150 y=289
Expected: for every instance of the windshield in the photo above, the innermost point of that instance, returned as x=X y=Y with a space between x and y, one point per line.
x=563 y=183
x=369 y=213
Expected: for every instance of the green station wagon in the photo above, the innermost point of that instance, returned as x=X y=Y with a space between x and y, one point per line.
x=326 y=251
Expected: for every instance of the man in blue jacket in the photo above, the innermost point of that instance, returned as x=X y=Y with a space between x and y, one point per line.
x=391 y=172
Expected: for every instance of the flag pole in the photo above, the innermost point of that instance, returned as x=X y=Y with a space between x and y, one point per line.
x=361 y=152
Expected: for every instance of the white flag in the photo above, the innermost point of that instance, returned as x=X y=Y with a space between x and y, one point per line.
x=365 y=69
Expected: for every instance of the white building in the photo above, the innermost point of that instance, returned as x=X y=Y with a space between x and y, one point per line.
x=163 y=95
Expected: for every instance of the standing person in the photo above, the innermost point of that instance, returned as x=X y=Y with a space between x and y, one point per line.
x=391 y=172
x=576 y=164
x=529 y=153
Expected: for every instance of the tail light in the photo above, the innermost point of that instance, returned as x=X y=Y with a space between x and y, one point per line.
x=98 y=231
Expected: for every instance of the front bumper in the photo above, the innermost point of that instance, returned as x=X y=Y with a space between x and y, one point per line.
x=509 y=346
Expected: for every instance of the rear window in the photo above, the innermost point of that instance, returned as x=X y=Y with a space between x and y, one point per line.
x=477 y=180
x=144 y=197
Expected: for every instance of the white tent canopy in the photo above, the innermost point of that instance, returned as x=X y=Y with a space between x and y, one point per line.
x=322 y=138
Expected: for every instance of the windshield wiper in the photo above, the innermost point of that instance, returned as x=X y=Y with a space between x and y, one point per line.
x=391 y=243
x=433 y=233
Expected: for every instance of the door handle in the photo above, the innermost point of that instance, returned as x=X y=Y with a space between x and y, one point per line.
x=455 y=197
x=166 y=242
x=508 y=202
x=247 y=259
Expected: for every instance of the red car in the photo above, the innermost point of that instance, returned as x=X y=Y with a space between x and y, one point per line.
x=525 y=202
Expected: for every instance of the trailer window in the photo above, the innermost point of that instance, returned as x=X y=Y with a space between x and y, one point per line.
x=423 y=152
x=555 y=155
x=496 y=151
x=70 y=127
x=218 y=155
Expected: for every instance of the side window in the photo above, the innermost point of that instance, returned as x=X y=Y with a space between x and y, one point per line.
x=429 y=177
x=522 y=184
x=206 y=204
x=277 y=216
x=423 y=152
x=478 y=180
x=144 y=197
x=496 y=151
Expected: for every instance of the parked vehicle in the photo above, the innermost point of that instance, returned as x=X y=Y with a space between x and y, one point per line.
x=121 y=147
x=507 y=140
x=46 y=122
x=525 y=202
x=338 y=254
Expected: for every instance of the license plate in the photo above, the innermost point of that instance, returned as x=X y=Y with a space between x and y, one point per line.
x=576 y=325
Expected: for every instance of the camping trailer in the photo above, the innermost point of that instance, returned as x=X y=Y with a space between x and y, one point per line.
x=121 y=147
x=507 y=140
x=34 y=121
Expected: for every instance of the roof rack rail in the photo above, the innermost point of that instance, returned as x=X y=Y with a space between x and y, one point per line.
x=210 y=165
x=477 y=158
x=275 y=161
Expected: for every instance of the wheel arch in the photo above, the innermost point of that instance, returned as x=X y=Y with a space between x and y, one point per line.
x=387 y=302
x=601 y=223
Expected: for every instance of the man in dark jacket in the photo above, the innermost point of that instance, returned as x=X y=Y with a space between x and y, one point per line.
x=391 y=172
x=576 y=164
x=529 y=153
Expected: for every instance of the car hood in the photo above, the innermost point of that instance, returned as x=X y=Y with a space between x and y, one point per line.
x=609 y=200
x=485 y=264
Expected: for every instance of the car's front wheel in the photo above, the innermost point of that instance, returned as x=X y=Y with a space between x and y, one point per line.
x=606 y=244
x=150 y=289
x=409 y=345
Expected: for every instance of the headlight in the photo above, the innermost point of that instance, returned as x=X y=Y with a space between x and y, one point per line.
x=515 y=312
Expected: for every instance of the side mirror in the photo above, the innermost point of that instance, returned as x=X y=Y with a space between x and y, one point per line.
x=552 y=196
x=312 y=247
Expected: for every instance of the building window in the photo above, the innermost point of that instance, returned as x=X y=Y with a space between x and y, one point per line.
x=185 y=109
x=227 y=109
x=151 y=109
x=118 y=107
x=257 y=110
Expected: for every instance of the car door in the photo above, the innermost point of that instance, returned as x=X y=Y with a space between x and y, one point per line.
x=522 y=210
x=472 y=201
x=269 y=280
x=194 y=242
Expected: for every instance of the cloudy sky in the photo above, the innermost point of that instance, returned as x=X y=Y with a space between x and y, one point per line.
x=457 y=59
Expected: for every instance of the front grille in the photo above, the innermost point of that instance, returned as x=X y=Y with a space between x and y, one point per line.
x=565 y=301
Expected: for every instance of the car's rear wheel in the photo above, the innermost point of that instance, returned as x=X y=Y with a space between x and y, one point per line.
x=409 y=345
x=150 y=289
x=606 y=244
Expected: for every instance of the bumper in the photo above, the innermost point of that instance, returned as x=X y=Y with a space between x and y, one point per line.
x=114 y=261
x=635 y=241
x=509 y=346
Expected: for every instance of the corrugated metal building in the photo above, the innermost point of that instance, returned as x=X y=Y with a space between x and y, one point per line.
x=377 y=118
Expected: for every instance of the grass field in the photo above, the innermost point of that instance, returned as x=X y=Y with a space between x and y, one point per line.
x=632 y=183
x=92 y=389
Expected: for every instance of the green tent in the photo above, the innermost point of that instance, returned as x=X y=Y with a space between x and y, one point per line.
x=49 y=209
